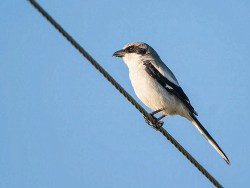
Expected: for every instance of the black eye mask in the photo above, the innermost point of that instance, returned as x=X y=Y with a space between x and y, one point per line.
x=135 y=49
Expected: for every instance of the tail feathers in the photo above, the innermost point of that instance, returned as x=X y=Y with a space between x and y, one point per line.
x=209 y=138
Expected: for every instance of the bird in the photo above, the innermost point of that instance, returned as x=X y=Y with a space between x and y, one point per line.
x=157 y=87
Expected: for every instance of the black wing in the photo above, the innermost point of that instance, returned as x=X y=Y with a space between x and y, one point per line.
x=168 y=85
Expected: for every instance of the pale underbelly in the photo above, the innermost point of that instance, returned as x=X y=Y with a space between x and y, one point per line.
x=154 y=96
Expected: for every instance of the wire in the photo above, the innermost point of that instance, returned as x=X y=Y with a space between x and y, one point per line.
x=149 y=117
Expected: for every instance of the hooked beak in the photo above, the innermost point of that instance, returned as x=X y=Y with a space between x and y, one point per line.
x=119 y=53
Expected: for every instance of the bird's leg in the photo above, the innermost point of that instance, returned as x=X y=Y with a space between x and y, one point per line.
x=155 y=112
x=158 y=122
x=158 y=119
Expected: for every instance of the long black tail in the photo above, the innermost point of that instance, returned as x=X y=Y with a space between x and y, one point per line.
x=209 y=138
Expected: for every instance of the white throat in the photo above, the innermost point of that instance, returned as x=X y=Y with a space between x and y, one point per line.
x=132 y=60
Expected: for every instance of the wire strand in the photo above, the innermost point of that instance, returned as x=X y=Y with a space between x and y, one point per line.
x=149 y=117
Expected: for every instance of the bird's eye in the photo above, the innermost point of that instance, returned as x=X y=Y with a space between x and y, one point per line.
x=130 y=49
x=142 y=51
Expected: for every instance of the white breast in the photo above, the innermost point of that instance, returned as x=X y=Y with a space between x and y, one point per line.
x=150 y=92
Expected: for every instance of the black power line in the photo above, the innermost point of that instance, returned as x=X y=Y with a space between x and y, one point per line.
x=149 y=117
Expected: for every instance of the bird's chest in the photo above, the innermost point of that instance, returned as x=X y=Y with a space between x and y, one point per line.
x=141 y=81
x=146 y=88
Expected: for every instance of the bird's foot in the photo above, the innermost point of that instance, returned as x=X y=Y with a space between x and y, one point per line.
x=158 y=123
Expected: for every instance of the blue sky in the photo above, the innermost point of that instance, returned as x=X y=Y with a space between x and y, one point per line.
x=63 y=125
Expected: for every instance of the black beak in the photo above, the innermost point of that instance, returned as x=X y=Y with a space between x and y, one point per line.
x=119 y=53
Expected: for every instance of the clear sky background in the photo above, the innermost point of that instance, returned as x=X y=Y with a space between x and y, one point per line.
x=63 y=125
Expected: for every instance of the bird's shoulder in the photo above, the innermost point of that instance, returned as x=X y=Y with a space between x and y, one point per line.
x=163 y=69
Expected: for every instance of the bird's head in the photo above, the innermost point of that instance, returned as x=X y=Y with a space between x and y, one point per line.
x=135 y=51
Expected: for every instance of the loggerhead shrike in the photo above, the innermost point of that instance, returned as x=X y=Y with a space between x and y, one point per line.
x=156 y=86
